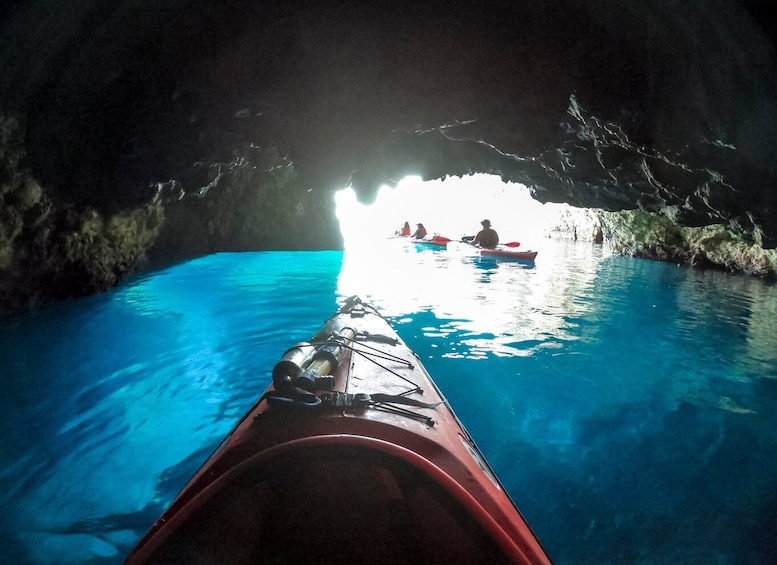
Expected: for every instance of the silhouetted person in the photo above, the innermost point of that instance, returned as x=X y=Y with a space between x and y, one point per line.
x=420 y=232
x=487 y=237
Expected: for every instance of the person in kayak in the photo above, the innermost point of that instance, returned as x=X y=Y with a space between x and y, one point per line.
x=487 y=237
x=405 y=231
x=420 y=232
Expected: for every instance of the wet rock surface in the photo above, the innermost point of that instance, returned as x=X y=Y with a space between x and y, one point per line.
x=138 y=134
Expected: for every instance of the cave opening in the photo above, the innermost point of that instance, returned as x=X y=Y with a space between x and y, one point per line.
x=451 y=207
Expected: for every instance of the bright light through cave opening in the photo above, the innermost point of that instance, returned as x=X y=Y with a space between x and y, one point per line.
x=452 y=207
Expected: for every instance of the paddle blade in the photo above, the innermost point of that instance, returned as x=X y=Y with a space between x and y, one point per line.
x=512 y=244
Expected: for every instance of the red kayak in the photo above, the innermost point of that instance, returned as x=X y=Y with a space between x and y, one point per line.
x=507 y=253
x=435 y=241
x=352 y=455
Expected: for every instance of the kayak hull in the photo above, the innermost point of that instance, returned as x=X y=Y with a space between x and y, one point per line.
x=509 y=254
x=368 y=465
x=434 y=241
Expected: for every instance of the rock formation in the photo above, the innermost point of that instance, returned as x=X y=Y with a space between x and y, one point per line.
x=136 y=134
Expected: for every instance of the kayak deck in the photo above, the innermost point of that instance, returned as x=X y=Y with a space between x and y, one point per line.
x=370 y=464
x=331 y=504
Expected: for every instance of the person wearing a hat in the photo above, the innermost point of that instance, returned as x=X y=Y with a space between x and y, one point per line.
x=486 y=237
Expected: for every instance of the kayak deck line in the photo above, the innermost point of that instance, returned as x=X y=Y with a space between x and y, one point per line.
x=352 y=455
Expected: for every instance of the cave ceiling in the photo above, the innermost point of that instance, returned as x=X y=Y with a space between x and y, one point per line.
x=661 y=105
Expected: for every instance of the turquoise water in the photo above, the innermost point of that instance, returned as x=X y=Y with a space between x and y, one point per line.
x=628 y=406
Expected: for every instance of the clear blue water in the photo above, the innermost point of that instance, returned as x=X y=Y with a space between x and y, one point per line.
x=628 y=406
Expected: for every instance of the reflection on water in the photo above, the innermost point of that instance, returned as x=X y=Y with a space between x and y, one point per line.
x=760 y=359
x=512 y=302
x=627 y=405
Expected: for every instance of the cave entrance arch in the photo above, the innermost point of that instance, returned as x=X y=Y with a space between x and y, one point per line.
x=451 y=207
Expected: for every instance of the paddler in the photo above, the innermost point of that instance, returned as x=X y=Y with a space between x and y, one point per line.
x=487 y=237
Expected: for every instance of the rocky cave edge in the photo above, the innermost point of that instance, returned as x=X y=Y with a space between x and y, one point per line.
x=137 y=134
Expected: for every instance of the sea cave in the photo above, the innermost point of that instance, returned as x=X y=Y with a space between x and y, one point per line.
x=135 y=135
